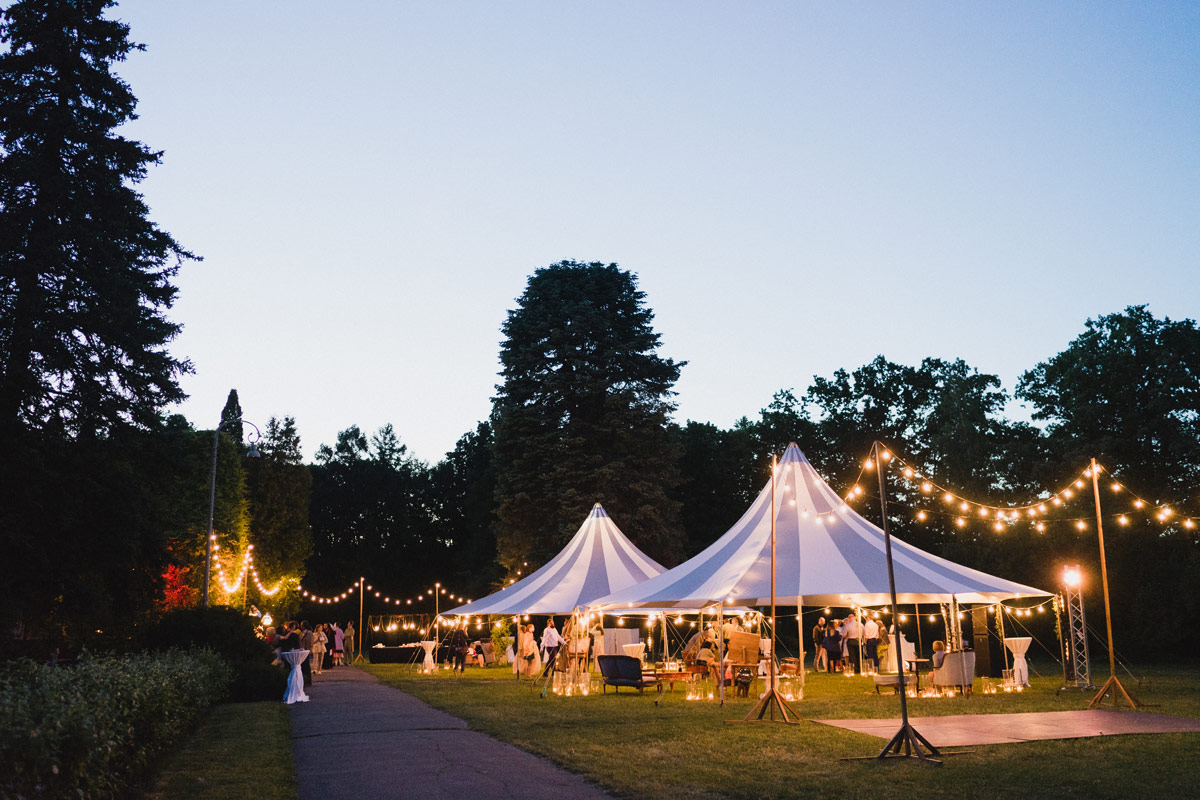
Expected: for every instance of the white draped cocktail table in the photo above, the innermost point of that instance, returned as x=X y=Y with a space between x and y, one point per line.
x=1019 y=645
x=428 y=665
x=295 y=685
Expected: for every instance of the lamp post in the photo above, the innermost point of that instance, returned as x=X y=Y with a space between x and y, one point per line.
x=212 y=491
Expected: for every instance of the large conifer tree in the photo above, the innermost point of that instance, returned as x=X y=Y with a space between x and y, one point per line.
x=85 y=276
x=582 y=416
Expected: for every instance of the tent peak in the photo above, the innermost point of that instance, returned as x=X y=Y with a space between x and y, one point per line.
x=793 y=453
x=598 y=511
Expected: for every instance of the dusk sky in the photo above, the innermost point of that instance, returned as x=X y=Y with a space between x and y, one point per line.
x=798 y=186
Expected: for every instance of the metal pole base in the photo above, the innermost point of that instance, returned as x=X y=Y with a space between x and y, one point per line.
x=768 y=704
x=1114 y=684
x=914 y=745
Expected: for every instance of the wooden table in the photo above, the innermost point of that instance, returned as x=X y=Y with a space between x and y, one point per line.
x=666 y=676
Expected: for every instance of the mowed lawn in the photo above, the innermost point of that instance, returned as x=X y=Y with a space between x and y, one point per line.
x=240 y=751
x=684 y=749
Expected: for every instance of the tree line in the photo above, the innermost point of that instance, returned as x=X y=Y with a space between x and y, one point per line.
x=105 y=494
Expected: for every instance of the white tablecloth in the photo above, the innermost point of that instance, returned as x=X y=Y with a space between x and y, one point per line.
x=1019 y=645
x=295 y=685
x=635 y=650
x=428 y=665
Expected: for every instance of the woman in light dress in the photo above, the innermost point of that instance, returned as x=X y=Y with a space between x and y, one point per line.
x=320 y=639
x=528 y=646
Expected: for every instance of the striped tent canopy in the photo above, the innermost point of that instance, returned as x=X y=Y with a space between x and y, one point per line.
x=599 y=559
x=826 y=554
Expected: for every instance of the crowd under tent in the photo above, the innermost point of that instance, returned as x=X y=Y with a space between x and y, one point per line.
x=826 y=554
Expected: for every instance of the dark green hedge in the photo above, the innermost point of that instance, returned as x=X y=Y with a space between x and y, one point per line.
x=91 y=729
x=230 y=633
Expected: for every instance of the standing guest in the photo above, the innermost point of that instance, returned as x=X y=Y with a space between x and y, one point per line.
x=318 y=649
x=852 y=642
x=871 y=643
x=820 y=657
x=291 y=635
x=884 y=642
x=527 y=652
x=339 y=642
x=348 y=639
x=596 y=631
x=551 y=642
x=306 y=643
x=458 y=646
x=319 y=644
x=273 y=641
x=832 y=643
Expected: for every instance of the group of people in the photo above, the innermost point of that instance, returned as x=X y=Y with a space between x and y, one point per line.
x=328 y=645
x=533 y=658
x=849 y=644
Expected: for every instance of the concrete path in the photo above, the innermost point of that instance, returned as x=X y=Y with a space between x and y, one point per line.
x=357 y=738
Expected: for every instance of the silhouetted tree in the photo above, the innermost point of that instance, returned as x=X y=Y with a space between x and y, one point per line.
x=85 y=276
x=581 y=416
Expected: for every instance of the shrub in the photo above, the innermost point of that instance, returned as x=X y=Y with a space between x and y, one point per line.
x=500 y=638
x=224 y=630
x=253 y=681
x=229 y=633
x=91 y=729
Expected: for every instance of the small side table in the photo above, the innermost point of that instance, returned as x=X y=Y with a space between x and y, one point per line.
x=917 y=662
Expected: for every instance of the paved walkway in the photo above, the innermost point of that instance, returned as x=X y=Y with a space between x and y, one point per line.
x=360 y=739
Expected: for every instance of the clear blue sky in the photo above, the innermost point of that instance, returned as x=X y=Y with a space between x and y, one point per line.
x=799 y=187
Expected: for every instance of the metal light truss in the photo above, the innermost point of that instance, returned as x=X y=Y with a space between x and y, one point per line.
x=1075 y=644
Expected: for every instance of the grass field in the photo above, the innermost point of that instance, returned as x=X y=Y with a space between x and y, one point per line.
x=683 y=749
x=239 y=751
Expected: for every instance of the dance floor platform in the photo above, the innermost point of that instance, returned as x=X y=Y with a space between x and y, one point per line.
x=968 y=729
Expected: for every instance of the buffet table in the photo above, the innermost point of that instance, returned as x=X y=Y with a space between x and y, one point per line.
x=403 y=654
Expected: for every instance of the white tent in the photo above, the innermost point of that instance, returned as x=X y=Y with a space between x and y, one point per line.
x=598 y=560
x=826 y=554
